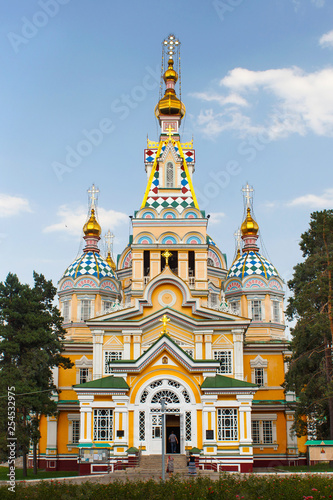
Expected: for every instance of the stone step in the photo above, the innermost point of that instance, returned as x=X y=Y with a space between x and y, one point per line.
x=152 y=462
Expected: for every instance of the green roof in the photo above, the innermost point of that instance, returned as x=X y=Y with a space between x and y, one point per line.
x=222 y=382
x=93 y=445
x=68 y=401
x=110 y=382
x=320 y=442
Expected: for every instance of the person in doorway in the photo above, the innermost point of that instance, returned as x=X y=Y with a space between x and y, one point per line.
x=191 y=465
x=170 y=466
x=173 y=442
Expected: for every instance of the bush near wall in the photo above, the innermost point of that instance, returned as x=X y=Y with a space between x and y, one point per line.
x=227 y=487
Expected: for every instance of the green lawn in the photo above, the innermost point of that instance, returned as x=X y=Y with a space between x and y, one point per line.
x=323 y=467
x=41 y=474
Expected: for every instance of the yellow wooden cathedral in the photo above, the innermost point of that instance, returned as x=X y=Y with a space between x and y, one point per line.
x=169 y=321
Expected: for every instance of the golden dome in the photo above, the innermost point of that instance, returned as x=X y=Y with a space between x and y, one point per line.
x=91 y=227
x=170 y=73
x=170 y=104
x=249 y=226
x=109 y=260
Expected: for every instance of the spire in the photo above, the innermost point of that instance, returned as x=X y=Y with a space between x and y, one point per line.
x=92 y=229
x=249 y=228
x=109 y=246
x=170 y=110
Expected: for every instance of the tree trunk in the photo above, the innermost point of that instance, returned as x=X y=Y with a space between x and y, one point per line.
x=25 y=471
x=35 y=457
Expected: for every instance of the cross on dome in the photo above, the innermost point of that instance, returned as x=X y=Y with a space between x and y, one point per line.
x=93 y=196
x=109 y=241
x=238 y=238
x=170 y=44
x=247 y=193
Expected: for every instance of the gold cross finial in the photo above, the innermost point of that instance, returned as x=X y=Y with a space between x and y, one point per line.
x=164 y=320
x=169 y=130
x=166 y=254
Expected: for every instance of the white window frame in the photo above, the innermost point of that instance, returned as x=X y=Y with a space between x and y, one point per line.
x=106 y=305
x=169 y=184
x=100 y=415
x=85 y=363
x=73 y=417
x=218 y=355
x=235 y=307
x=112 y=355
x=256 y=304
x=259 y=363
x=276 y=311
x=226 y=431
x=81 y=300
x=262 y=421
x=259 y=376
x=66 y=304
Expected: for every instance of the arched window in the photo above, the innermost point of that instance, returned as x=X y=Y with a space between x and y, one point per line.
x=169 y=175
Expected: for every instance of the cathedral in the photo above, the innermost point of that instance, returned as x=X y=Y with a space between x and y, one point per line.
x=167 y=331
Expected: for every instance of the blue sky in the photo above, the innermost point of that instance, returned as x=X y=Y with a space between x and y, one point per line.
x=257 y=80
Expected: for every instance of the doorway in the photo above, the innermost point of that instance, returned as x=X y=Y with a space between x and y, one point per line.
x=172 y=423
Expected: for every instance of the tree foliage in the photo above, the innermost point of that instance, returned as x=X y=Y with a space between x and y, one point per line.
x=310 y=369
x=31 y=338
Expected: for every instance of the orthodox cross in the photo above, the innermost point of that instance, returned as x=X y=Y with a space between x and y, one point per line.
x=247 y=190
x=109 y=241
x=169 y=130
x=93 y=192
x=164 y=320
x=166 y=254
x=238 y=238
x=170 y=44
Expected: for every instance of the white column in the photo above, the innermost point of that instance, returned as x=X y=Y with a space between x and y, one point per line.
x=238 y=338
x=86 y=418
x=208 y=346
x=127 y=346
x=245 y=437
x=136 y=346
x=198 y=346
x=98 y=337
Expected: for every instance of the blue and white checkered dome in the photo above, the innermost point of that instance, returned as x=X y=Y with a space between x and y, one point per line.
x=89 y=264
x=252 y=264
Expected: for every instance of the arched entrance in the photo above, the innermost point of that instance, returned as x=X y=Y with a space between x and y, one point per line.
x=180 y=415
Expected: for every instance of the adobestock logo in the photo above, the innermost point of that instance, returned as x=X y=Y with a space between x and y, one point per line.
x=31 y=27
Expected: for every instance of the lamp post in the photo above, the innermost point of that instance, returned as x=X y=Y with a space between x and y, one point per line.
x=162 y=401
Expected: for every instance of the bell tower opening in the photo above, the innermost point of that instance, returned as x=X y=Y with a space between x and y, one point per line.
x=173 y=262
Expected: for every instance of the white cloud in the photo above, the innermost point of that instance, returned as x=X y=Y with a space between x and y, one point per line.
x=318 y=202
x=215 y=217
x=13 y=205
x=326 y=40
x=73 y=220
x=298 y=103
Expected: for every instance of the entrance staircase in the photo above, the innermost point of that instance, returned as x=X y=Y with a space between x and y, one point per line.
x=153 y=463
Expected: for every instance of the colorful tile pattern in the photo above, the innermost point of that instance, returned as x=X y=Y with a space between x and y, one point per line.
x=252 y=263
x=184 y=197
x=89 y=264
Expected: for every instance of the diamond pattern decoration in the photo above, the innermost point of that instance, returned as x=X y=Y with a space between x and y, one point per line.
x=252 y=263
x=89 y=264
x=179 y=203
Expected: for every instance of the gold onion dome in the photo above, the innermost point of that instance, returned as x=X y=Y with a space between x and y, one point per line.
x=91 y=227
x=170 y=104
x=249 y=226
x=110 y=261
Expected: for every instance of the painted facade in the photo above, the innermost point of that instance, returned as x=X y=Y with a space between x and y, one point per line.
x=171 y=321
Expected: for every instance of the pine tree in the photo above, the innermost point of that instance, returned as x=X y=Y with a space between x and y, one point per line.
x=31 y=335
x=310 y=372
